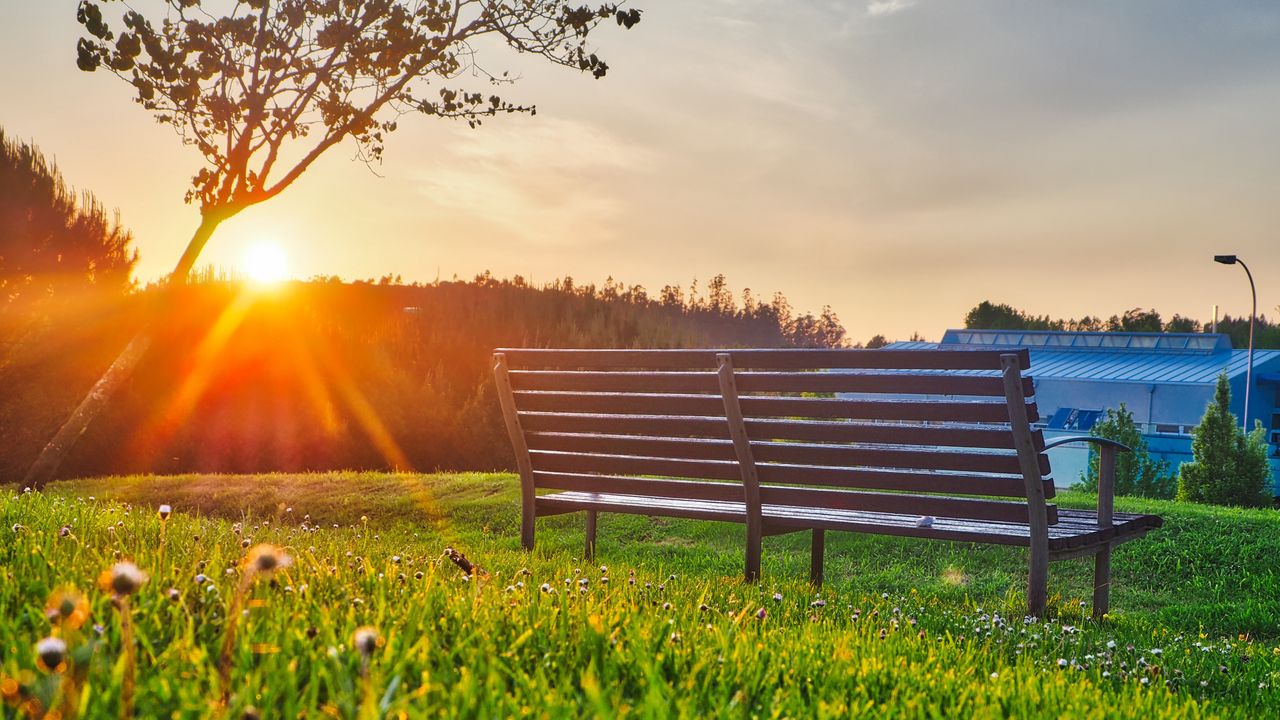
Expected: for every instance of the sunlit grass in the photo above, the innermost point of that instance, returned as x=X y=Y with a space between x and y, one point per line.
x=658 y=625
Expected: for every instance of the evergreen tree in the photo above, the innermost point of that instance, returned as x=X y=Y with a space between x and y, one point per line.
x=53 y=244
x=1137 y=473
x=1230 y=468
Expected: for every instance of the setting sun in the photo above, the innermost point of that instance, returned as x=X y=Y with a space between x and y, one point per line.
x=266 y=263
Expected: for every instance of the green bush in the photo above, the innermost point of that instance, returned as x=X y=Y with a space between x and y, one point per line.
x=1137 y=473
x=1230 y=467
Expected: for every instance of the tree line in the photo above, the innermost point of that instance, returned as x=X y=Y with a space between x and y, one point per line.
x=987 y=315
x=329 y=374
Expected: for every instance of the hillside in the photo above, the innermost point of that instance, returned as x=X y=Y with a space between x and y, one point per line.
x=902 y=629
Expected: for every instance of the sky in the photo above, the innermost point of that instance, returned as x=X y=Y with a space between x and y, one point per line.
x=898 y=160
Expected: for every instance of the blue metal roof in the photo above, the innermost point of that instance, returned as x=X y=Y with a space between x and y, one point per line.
x=1191 y=358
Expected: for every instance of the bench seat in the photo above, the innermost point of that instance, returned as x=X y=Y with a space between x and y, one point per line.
x=1075 y=529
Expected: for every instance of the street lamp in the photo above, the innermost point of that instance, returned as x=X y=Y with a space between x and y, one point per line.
x=1248 y=374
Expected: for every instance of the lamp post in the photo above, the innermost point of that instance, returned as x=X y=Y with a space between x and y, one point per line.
x=1248 y=374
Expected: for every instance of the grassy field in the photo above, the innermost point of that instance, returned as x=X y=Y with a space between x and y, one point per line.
x=904 y=628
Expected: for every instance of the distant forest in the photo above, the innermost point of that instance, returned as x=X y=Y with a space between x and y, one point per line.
x=991 y=316
x=327 y=374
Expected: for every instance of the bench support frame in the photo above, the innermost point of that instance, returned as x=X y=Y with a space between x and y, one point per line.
x=746 y=462
x=1037 y=517
x=1024 y=442
x=528 y=493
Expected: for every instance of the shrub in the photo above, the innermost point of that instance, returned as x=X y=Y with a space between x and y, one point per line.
x=1230 y=467
x=1137 y=473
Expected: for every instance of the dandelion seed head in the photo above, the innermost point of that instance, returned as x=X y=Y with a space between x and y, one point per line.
x=124 y=578
x=365 y=640
x=51 y=651
x=266 y=558
x=67 y=607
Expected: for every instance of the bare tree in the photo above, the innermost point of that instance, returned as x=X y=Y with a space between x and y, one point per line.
x=264 y=89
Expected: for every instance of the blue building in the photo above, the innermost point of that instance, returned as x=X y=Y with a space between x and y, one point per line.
x=1165 y=379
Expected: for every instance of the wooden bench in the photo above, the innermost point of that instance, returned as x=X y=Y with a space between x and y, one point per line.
x=922 y=443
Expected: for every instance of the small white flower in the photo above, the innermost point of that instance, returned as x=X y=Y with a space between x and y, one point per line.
x=1062 y=662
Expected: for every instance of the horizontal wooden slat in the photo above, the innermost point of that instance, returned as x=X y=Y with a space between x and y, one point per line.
x=764 y=382
x=655 y=487
x=835 y=456
x=528 y=358
x=919 y=505
x=632 y=465
x=904 y=481
x=786 y=474
x=788 y=452
x=756 y=406
x=951 y=435
x=668 y=447
x=664 y=425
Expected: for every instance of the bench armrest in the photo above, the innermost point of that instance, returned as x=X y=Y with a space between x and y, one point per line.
x=1107 y=449
x=1099 y=441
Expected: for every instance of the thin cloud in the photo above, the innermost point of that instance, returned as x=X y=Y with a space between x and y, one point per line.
x=878 y=8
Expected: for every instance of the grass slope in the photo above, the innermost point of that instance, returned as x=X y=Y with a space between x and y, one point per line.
x=904 y=628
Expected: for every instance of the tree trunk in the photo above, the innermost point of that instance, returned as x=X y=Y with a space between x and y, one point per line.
x=51 y=458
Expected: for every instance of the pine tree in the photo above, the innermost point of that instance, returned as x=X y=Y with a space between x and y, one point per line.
x=1136 y=472
x=1230 y=468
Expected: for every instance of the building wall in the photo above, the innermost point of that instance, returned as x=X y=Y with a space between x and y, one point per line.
x=1155 y=407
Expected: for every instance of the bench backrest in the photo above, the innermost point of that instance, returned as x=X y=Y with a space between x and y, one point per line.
x=926 y=432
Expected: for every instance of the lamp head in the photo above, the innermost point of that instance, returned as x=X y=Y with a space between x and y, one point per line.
x=1225 y=259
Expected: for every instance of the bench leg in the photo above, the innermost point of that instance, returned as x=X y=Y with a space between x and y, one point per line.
x=1102 y=582
x=754 y=534
x=590 y=551
x=1038 y=582
x=527 y=517
x=816 y=550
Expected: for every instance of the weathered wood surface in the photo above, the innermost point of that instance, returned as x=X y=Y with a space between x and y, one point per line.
x=802 y=440
x=799 y=359
x=1074 y=529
